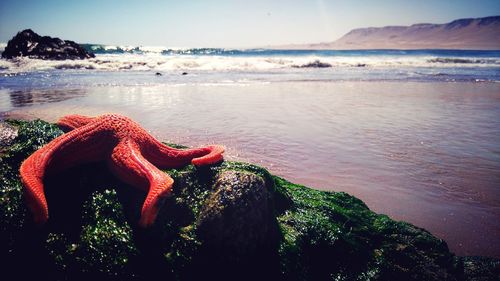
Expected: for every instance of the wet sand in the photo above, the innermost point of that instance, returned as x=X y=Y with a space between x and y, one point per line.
x=427 y=153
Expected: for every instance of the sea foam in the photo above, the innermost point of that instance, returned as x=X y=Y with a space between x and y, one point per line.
x=381 y=64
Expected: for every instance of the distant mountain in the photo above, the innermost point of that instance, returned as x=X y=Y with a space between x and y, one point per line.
x=479 y=34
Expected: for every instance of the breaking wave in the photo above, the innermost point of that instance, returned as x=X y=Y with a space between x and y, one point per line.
x=110 y=49
x=465 y=61
x=385 y=64
x=159 y=62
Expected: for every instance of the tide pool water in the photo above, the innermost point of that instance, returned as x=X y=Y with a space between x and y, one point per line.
x=414 y=134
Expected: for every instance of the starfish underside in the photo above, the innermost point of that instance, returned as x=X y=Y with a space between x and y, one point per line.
x=131 y=153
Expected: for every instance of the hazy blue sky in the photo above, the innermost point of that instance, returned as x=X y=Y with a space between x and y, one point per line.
x=223 y=23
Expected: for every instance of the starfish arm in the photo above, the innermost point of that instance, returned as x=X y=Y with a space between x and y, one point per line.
x=214 y=156
x=71 y=122
x=165 y=156
x=63 y=152
x=129 y=165
x=32 y=178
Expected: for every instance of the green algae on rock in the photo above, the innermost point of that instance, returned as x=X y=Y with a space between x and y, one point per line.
x=227 y=221
x=103 y=248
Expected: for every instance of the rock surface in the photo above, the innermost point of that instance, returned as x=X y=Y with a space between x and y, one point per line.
x=232 y=221
x=314 y=64
x=29 y=44
x=7 y=134
x=238 y=218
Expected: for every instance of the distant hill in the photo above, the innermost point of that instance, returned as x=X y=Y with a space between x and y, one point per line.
x=479 y=33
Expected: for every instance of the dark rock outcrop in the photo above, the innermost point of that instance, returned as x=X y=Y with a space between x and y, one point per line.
x=314 y=64
x=29 y=44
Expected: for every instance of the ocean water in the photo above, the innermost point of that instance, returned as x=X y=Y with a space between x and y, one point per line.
x=225 y=65
x=414 y=134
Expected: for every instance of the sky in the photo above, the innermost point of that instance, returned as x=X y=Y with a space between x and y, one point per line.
x=223 y=23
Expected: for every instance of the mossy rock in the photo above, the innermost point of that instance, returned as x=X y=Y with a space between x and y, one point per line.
x=227 y=221
x=237 y=217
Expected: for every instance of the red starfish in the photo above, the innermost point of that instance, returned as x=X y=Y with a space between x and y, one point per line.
x=131 y=154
